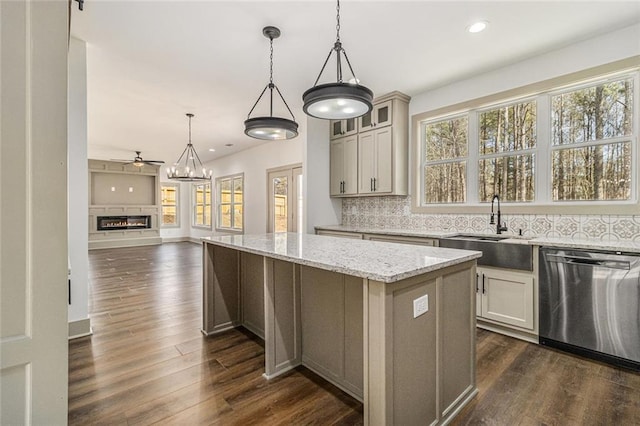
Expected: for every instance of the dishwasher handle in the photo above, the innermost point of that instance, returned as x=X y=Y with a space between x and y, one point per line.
x=589 y=261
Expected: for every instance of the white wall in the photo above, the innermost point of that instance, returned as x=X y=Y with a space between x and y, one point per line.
x=254 y=163
x=596 y=51
x=78 y=190
x=320 y=208
x=600 y=50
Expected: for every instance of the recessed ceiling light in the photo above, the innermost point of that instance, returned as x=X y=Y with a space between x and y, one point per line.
x=476 y=27
x=212 y=150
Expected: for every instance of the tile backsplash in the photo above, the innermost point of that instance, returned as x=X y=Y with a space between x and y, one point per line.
x=395 y=212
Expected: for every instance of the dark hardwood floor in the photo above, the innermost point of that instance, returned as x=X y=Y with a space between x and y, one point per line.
x=147 y=362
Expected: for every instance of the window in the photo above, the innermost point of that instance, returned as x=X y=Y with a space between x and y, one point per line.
x=202 y=205
x=169 y=195
x=230 y=192
x=507 y=142
x=445 y=160
x=561 y=147
x=591 y=142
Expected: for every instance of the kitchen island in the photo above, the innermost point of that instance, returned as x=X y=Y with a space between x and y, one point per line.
x=392 y=325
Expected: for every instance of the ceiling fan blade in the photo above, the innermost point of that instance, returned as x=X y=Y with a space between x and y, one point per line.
x=121 y=161
x=153 y=161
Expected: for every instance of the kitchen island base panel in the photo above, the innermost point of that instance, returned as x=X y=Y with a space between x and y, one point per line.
x=420 y=370
x=358 y=333
x=220 y=290
x=332 y=323
x=283 y=345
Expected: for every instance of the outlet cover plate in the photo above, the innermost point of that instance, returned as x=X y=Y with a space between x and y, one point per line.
x=420 y=305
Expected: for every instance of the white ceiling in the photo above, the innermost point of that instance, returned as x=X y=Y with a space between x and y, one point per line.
x=150 y=62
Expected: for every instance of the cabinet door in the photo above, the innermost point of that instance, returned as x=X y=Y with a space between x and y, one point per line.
x=341 y=128
x=508 y=297
x=384 y=161
x=479 y=287
x=366 y=162
x=350 y=166
x=382 y=114
x=336 y=167
x=336 y=129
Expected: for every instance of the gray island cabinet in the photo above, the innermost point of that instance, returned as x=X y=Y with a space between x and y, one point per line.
x=392 y=325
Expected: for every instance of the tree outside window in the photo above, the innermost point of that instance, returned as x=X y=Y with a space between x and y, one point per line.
x=230 y=203
x=445 y=160
x=591 y=135
x=170 y=195
x=202 y=205
x=507 y=142
x=576 y=143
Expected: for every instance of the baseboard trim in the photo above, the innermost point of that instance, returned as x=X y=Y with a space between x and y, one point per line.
x=508 y=331
x=80 y=328
x=134 y=242
x=175 y=239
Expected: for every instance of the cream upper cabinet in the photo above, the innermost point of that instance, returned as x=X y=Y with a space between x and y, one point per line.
x=505 y=296
x=375 y=153
x=380 y=115
x=344 y=166
x=342 y=128
x=380 y=162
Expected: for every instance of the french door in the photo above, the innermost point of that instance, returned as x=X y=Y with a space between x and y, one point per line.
x=285 y=199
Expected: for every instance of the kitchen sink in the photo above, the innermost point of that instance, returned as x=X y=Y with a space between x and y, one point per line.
x=481 y=237
x=495 y=251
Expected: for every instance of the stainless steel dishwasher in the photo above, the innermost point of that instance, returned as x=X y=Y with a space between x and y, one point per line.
x=590 y=304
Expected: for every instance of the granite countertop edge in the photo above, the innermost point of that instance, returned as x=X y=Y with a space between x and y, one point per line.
x=440 y=263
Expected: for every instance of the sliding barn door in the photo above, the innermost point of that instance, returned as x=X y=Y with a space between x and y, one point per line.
x=33 y=212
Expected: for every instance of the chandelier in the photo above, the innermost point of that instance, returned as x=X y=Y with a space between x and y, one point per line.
x=186 y=169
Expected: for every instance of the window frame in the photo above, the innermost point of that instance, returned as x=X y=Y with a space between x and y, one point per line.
x=232 y=204
x=176 y=186
x=194 y=205
x=424 y=162
x=475 y=113
x=541 y=92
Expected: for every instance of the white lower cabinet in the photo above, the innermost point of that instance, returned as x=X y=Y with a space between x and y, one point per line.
x=505 y=296
x=419 y=241
x=340 y=234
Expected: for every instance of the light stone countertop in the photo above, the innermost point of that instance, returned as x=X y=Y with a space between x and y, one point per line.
x=379 y=261
x=607 y=245
x=584 y=244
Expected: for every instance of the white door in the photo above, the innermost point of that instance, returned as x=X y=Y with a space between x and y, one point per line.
x=285 y=199
x=33 y=212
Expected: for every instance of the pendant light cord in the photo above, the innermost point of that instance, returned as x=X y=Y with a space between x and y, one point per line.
x=337 y=47
x=271 y=61
x=338 y=21
x=271 y=86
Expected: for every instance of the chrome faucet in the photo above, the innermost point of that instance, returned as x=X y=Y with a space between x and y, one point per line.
x=499 y=225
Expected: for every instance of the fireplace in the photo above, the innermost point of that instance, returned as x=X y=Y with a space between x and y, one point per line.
x=113 y=223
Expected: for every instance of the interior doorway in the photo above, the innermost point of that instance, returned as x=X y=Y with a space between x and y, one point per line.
x=284 y=195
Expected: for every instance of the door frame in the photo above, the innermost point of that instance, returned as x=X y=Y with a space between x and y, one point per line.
x=292 y=190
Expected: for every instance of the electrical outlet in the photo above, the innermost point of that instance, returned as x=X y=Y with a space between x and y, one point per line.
x=420 y=305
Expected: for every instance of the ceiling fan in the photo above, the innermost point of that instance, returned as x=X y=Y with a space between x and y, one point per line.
x=139 y=162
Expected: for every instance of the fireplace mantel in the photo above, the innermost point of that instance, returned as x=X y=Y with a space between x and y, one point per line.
x=124 y=207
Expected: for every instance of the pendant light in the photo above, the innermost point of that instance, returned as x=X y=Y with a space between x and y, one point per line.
x=186 y=169
x=271 y=128
x=339 y=100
